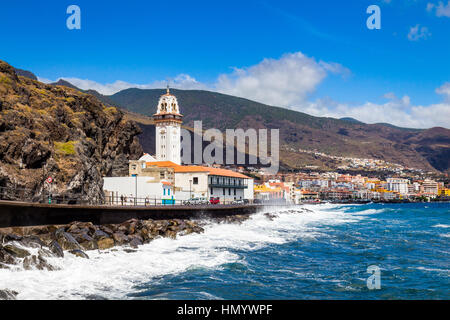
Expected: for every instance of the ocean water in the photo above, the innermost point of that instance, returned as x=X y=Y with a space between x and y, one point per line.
x=320 y=254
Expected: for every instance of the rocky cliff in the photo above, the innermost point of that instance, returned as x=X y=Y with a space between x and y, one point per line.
x=59 y=132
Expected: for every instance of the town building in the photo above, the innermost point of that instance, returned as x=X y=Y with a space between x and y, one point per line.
x=398 y=185
x=168 y=122
x=153 y=175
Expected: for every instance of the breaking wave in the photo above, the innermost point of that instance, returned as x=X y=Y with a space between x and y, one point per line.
x=114 y=273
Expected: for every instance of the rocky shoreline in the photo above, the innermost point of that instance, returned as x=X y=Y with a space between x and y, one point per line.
x=30 y=247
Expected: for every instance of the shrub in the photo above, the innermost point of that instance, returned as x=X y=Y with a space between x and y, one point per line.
x=65 y=148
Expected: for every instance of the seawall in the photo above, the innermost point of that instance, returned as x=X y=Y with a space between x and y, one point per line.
x=21 y=214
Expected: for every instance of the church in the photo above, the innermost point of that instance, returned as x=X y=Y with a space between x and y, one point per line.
x=165 y=180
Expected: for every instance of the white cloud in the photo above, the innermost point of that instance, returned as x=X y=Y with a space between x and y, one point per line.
x=281 y=82
x=397 y=111
x=445 y=91
x=288 y=82
x=182 y=81
x=417 y=32
x=442 y=10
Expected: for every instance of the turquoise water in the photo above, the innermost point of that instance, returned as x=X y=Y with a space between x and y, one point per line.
x=319 y=253
x=329 y=259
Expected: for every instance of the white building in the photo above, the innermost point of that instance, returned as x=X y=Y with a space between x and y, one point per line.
x=206 y=182
x=152 y=175
x=398 y=185
x=168 y=122
x=137 y=190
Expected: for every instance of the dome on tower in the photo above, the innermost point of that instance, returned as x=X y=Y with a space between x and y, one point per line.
x=168 y=104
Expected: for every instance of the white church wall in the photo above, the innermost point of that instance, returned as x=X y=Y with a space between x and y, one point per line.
x=126 y=186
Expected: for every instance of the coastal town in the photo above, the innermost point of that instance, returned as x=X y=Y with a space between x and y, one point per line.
x=163 y=180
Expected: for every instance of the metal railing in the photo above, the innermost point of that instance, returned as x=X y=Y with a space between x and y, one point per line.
x=146 y=202
x=31 y=196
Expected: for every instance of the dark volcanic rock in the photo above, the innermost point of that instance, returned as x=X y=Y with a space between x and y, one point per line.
x=32 y=241
x=99 y=234
x=120 y=238
x=79 y=254
x=105 y=243
x=56 y=249
x=78 y=237
x=63 y=132
x=8 y=294
x=37 y=262
x=16 y=251
x=66 y=240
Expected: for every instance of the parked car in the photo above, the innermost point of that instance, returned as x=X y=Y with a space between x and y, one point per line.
x=214 y=200
x=238 y=202
x=196 y=201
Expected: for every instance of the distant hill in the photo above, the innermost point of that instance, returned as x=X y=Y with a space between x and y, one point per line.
x=424 y=149
x=25 y=73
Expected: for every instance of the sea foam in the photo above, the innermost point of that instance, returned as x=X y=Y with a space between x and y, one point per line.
x=114 y=273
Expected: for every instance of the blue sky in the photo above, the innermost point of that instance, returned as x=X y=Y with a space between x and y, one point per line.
x=147 y=42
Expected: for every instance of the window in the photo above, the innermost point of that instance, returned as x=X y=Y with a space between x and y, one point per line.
x=229 y=192
x=168 y=190
x=223 y=191
x=164 y=191
x=212 y=190
x=195 y=180
x=234 y=191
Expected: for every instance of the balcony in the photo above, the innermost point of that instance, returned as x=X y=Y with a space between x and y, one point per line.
x=225 y=184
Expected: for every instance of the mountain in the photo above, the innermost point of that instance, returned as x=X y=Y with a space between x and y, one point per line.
x=422 y=149
x=25 y=73
x=59 y=132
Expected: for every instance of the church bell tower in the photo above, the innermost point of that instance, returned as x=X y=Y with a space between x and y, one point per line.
x=168 y=122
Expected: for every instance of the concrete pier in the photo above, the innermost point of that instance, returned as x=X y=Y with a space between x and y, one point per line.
x=22 y=214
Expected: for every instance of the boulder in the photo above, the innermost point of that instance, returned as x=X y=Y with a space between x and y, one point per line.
x=67 y=241
x=135 y=242
x=99 y=234
x=146 y=234
x=3 y=266
x=79 y=254
x=8 y=294
x=5 y=257
x=47 y=238
x=120 y=238
x=43 y=252
x=16 y=251
x=12 y=237
x=32 y=242
x=105 y=243
x=170 y=234
x=37 y=262
x=56 y=249
x=108 y=229
x=86 y=241
x=89 y=245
